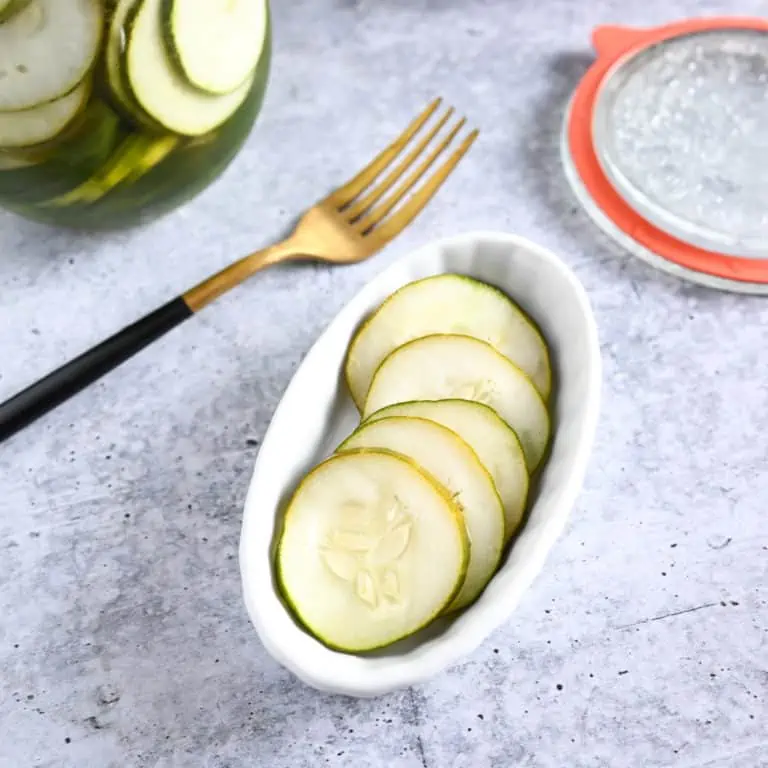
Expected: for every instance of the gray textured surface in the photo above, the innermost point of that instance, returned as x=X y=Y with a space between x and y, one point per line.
x=123 y=641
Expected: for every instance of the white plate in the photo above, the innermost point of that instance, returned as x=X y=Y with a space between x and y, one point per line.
x=316 y=413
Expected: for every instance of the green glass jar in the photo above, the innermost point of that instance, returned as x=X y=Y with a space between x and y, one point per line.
x=134 y=110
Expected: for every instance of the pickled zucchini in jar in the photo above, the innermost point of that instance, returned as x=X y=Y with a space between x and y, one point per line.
x=113 y=112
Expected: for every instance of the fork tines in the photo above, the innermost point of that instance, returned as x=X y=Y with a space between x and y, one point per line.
x=367 y=206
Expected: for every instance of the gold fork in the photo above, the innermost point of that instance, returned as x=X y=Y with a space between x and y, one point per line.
x=350 y=224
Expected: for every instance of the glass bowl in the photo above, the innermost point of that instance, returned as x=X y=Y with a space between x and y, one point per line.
x=136 y=110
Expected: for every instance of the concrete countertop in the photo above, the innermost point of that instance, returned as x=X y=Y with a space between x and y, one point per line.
x=123 y=640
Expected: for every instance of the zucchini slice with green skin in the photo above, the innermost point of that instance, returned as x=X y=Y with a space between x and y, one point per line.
x=46 y=50
x=216 y=45
x=446 y=303
x=446 y=367
x=160 y=90
x=57 y=166
x=447 y=458
x=10 y=162
x=43 y=123
x=9 y=8
x=371 y=551
x=489 y=436
x=133 y=158
x=83 y=132
x=114 y=69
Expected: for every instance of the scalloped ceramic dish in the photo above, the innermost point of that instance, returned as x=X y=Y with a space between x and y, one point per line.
x=316 y=413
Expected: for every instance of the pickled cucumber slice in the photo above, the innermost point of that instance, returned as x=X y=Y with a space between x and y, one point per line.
x=491 y=438
x=371 y=550
x=446 y=304
x=447 y=458
x=216 y=45
x=57 y=166
x=449 y=366
x=157 y=87
x=91 y=139
x=134 y=157
x=46 y=50
x=43 y=123
x=113 y=63
x=9 y=162
x=9 y=8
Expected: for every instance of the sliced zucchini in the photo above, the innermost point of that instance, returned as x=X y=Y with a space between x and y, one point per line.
x=157 y=87
x=216 y=45
x=446 y=304
x=11 y=162
x=371 y=550
x=136 y=155
x=447 y=458
x=43 y=123
x=489 y=436
x=81 y=147
x=9 y=8
x=91 y=139
x=46 y=50
x=445 y=367
x=114 y=66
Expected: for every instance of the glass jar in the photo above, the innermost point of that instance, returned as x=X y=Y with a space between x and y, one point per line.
x=113 y=112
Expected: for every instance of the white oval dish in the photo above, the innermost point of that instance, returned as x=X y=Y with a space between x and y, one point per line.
x=317 y=413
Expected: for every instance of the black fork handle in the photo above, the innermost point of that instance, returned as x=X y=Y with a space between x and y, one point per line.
x=45 y=394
